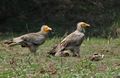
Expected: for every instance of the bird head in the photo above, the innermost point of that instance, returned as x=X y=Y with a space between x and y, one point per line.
x=46 y=29
x=82 y=25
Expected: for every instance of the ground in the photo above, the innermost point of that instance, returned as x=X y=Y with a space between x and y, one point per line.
x=18 y=62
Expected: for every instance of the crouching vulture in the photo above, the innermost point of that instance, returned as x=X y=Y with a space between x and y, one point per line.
x=30 y=40
x=71 y=43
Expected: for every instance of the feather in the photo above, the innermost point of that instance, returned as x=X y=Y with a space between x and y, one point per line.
x=72 y=42
x=30 y=40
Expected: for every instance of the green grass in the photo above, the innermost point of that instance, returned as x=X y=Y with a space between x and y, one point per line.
x=16 y=62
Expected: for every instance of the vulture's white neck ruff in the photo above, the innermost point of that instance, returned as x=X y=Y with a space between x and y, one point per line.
x=80 y=29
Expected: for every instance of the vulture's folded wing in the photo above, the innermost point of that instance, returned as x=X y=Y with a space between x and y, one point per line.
x=34 y=38
x=73 y=39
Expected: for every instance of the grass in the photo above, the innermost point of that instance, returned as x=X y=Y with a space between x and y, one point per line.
x=16 y=62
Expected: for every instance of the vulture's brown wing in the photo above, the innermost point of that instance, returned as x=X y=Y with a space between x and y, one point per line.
x=74 y=39
x=34 y=38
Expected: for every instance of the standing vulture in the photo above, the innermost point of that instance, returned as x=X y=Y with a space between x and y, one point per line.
x=31 y=40
x=71 y=43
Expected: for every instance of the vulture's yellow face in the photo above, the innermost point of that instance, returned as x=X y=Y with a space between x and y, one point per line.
x=83 y=25
x=46 y=28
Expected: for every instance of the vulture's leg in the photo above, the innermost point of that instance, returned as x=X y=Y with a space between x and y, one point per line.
x=76 y=52
x=33 y=49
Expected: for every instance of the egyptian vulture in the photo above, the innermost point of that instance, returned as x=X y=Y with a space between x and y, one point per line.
x=30 y=40
x=71 y=43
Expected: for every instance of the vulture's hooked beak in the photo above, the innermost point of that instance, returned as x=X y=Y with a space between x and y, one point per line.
x=87 y=25
x=50 y=29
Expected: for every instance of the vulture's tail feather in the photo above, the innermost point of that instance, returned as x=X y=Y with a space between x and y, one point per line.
x=53 y=51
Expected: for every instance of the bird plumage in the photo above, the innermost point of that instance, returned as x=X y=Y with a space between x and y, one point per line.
x=71 y=42
x=31 y=40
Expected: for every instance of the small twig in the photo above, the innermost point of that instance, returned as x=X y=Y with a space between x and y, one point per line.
x=61 y=61
x=29 y=62
x=27 y=28
x=13 y=64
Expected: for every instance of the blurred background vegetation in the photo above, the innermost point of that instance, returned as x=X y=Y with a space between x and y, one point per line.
x=22 y=16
